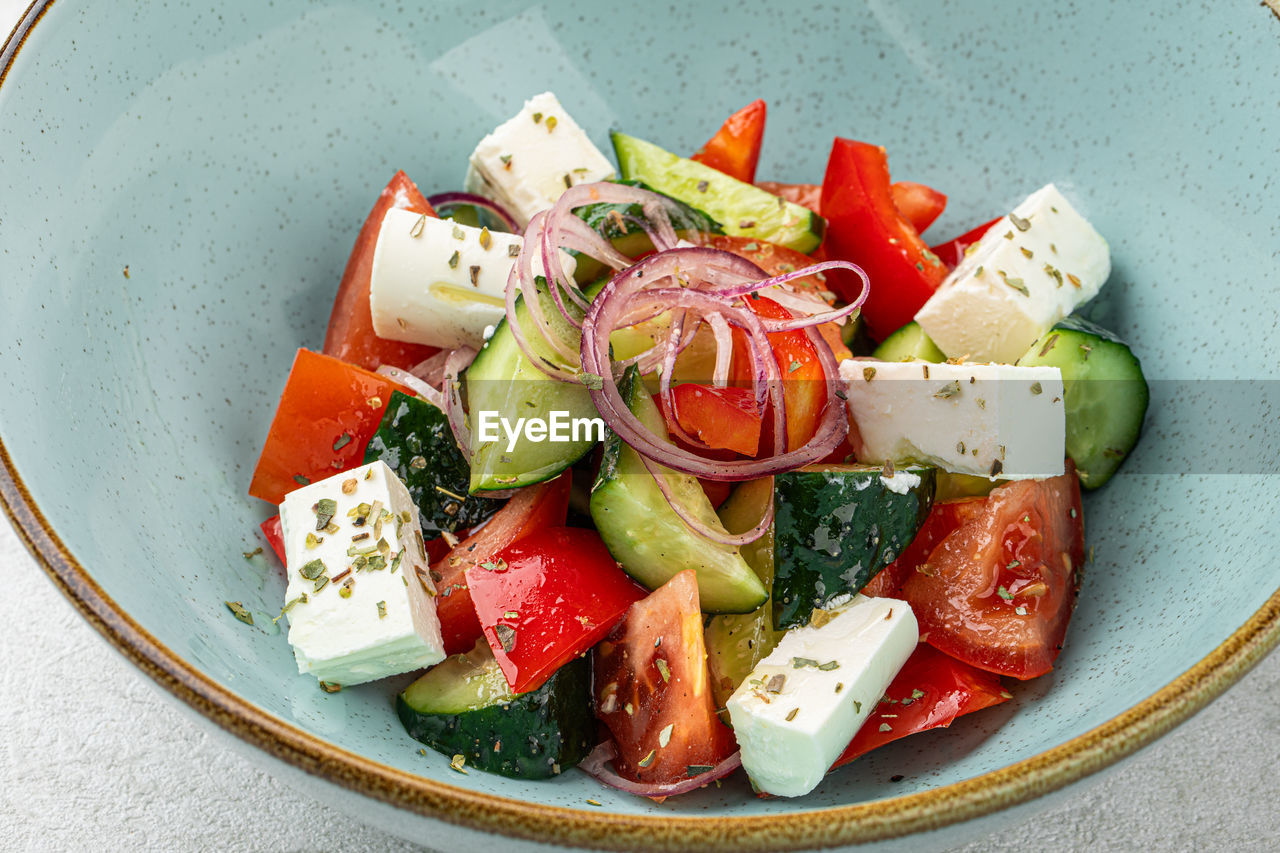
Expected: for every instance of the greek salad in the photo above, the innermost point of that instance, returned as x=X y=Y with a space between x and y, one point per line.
x=660 y=471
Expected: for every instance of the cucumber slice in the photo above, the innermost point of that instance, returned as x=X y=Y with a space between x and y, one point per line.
x=744 y=210
x=836 y=527
x=645 y=535
x=412 y=429
x=464 y=707
x=622 y=225
x=1104 y=392
x=909 y=342
x=503 y=380
x=955 y=486
x=737 y=642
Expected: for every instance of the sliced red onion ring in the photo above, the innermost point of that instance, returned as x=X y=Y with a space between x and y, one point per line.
x=441 y=203
x=431 y=370
x=413 y=383
x=709 y=533
x=598 y=765
x=457 y=362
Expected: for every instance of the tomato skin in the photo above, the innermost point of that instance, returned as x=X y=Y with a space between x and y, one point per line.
x=805 y=195
x=533 y=508
x=951 y=689
x=952 y=251
x=722 y=418
x=864 y=226
x=1022 y=550
x=776 y=260
x=324 y=399
x=350 y=334
x=920 y=204
x=944 y=517
x=666 y=626
x=275 y=536
x=548 y=598
x=735 y=149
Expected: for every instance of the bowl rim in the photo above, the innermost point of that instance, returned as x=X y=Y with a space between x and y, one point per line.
x=894 y=817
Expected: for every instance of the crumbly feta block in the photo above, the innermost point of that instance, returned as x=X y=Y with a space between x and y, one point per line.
x=358 y=609
x=802 y=704
x=439 y=283
x=528 y=161
x=989 y=420
x=1030 y=269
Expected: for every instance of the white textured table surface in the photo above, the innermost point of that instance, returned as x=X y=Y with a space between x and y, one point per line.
x=92 y=758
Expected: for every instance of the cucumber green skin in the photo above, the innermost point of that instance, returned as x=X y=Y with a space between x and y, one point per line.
x=1104 y=392
x=413 y=428
x=643 y=532
x=539 y=734
x=844 y=509
x=907 y=343
x=727 y=199
x=504 y=380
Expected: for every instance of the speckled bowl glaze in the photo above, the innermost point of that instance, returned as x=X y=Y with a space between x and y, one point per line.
x=224 y=156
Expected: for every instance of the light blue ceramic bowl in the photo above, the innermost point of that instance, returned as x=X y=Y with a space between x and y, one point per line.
x=225 y=154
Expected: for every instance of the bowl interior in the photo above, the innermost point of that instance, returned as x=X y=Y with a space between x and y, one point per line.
x=225 y=157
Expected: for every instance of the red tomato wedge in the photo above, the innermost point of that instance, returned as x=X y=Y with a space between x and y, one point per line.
x=929 y=692
x=548 y=598
x=865 y=226
x=533 y=508
x=275 y=536
x=722 y=418
x=328 y=412
x=998 y=591
x=350 y=334
x=803 y=380
x=952 y=251
x=653 y=692
x=735 y=149
x=805 y=195
x=944 y=517
x=920 y=204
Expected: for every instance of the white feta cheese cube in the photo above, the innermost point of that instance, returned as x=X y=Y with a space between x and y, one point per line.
x=358 y=609
x=439 y=283
x=528 y=161
x=802 y=704
x=1031 y=269
x=989 y=420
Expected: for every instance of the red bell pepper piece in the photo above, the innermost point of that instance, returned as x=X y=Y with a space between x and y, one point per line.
x=804 y=386
x=548 y=598
x=952 y=251
x=722 y=418
x=275 y=536
x=922 y=205
x=350 y=334
x=929 y=692
x=535 y=508
x=865 y=226
x=735 y=149
x=328 y=412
